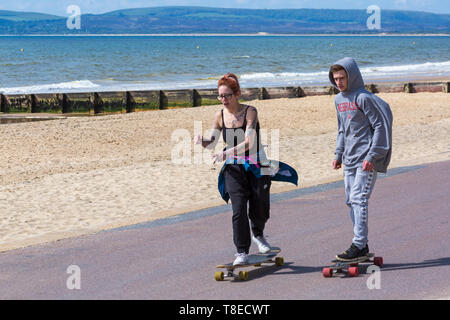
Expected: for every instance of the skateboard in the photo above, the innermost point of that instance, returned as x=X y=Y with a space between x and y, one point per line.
x=255 y=260
x=351 y=267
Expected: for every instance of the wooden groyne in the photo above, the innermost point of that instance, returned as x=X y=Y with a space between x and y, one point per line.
x=131 y=101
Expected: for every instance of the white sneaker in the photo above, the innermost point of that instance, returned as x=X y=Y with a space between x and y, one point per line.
x=241 y=258
x=261 y=242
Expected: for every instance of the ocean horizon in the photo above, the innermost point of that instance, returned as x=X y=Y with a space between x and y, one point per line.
x=56 y=64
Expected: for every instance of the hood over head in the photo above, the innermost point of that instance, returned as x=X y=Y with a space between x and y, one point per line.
x=355 y=80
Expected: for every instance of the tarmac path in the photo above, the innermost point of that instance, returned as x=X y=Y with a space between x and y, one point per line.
x=175 y=258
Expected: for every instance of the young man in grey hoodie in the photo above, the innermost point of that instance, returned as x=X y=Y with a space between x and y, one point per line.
x=363 y=146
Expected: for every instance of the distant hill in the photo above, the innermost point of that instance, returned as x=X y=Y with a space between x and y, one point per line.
x=220 y=20
x=26 y=16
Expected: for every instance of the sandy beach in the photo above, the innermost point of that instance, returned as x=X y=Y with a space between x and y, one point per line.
x=80 y=175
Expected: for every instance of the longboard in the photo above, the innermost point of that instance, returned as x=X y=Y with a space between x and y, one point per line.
x=350 y=267
x=255 y=260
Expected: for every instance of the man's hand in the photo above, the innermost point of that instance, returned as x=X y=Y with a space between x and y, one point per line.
x=367 y=165
x=336 y=165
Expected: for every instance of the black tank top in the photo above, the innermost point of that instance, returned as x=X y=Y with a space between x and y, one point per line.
x=239 y=135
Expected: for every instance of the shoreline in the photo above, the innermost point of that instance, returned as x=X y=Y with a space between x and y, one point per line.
x=261 y=34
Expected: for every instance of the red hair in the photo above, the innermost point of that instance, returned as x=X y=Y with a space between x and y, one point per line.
x=231 y=81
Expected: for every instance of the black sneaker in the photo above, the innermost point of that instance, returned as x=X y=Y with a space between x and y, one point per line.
x=353 y=253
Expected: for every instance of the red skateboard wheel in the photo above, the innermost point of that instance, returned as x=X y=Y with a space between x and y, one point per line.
x=378 y=261
x=353 y=271
x=327 y=272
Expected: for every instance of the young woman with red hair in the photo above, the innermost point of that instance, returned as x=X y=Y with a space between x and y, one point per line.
x=240 y=129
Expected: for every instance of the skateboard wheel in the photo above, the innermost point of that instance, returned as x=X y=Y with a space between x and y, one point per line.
x=279 y=261
x=378 y=261
x=243 y=275
x=218 y=275
x=353 y=271
x=327 y=272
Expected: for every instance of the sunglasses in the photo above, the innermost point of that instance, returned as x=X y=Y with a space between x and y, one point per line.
x=226 y=96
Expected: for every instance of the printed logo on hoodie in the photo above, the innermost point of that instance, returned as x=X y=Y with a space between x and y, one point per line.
x=347 y=106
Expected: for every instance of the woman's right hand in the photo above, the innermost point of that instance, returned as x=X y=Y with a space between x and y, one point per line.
x=198 y=139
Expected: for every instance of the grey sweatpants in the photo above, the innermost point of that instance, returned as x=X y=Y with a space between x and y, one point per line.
x=358 y=188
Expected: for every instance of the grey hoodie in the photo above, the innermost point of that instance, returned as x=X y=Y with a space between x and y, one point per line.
x=364 y=123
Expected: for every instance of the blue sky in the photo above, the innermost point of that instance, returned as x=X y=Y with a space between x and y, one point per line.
x=58 y=7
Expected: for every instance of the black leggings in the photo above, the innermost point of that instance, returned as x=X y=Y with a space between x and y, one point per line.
x=243 y=186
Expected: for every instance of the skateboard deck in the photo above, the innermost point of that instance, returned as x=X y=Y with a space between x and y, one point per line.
x=254 y=260
x=350 y=267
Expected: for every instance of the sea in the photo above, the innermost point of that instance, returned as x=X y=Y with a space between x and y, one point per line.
x=57 y=64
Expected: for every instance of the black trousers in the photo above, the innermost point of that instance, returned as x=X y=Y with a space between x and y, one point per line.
x=243 y=187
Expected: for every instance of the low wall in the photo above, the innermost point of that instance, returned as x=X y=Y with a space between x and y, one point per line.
x=131 y=101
